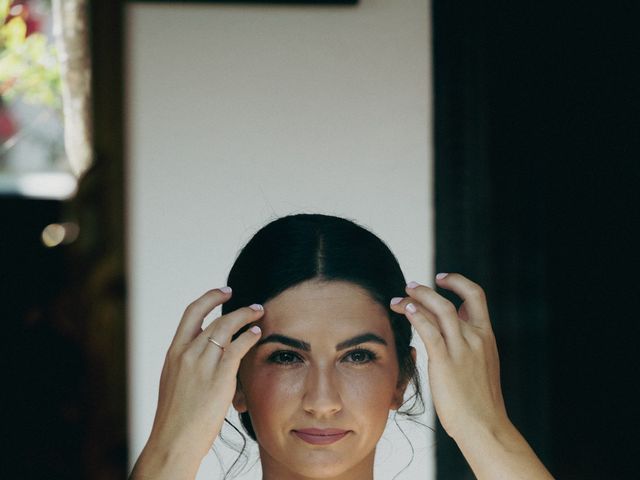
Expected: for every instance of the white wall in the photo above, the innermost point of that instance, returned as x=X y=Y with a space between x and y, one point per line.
x=241 y=113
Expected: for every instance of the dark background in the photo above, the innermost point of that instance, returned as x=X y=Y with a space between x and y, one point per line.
x=537 y=175
x=536 y=107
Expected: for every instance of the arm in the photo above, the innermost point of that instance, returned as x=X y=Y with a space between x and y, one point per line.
x=464 y=375
x=197 y=385
x=501 y=452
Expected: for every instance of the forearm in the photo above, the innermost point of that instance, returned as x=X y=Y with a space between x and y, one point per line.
x=501 y=453
x=159 y=463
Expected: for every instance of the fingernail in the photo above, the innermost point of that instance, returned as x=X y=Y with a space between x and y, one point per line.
x=395 y=300
x=256 y=306
x=411 y=308
x=225 y=289
x=255 y=329
x=412 y=284
x=440 y=276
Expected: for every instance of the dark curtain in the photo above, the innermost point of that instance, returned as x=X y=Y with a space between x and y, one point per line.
x=536 y=141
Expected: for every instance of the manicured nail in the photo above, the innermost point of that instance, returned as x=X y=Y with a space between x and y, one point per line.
x=411 y=308
x=225 y=289
x=412 y=284
x=440 y=276
x=395 y=300
x=256 y=306
x=255 y=329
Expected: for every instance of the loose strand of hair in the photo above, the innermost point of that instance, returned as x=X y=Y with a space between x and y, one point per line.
x=404 y=434
x=235 y=466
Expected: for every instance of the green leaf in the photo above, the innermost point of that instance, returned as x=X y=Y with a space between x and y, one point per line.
x=15 y=31
x=4 y=10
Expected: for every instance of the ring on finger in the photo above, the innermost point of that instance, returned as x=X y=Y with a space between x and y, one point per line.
x=212 y=340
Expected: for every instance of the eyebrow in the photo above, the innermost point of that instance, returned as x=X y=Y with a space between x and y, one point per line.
x=364 y=338
x=306 y=347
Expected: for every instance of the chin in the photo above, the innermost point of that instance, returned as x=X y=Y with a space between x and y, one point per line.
x=322 y=464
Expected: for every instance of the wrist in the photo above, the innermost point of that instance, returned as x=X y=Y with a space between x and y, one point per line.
x=497 y=450
x=159 y=461
x=480 y=435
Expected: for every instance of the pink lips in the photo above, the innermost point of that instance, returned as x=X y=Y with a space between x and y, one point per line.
x=320 y=436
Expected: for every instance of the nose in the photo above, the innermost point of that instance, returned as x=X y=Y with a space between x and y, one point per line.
x=322 y=395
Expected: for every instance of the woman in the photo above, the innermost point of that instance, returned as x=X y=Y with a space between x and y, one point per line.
x=313 y=351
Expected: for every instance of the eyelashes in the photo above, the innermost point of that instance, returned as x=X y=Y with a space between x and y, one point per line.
x=357 y=356
x=284 y=357
x=361 y=355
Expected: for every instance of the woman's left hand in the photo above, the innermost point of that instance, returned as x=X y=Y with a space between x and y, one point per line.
x=463 y=367
x=464 y=375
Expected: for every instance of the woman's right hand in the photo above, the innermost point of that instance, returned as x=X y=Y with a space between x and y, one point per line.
x=197 y=385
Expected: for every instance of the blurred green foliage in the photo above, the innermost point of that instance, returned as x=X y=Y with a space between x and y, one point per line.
x=29 y=66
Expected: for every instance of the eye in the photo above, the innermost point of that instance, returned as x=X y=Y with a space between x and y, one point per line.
x=284 y=357
x=360 y=356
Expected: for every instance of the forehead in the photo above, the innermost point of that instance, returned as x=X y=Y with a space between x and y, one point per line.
x=324 y=306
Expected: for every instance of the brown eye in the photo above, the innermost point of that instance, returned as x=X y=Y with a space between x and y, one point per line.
x=360 y=356
x=284 y=357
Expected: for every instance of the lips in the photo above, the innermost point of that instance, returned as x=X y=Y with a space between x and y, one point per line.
x=321 y=436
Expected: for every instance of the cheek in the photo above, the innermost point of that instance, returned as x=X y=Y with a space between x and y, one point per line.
x=274 y=396
x=271 y=394
x=369 y=390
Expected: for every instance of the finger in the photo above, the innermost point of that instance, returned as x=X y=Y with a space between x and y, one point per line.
x=403 y=303
x=400 y=305
x=444 y=311
x=474 y=307
x=192 y=318
x=425 y=324
x=241 y=345
x=222 y=328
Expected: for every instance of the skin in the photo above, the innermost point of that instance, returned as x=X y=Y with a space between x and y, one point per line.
x=322 y=387
x=464 y=376
x=198 y=383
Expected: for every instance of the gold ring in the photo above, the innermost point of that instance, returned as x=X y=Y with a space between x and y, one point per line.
x=215 y=343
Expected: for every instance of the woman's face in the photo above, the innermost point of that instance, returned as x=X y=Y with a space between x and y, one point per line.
x=321 y=381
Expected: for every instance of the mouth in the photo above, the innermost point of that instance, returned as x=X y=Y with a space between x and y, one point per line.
x=321 y=436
